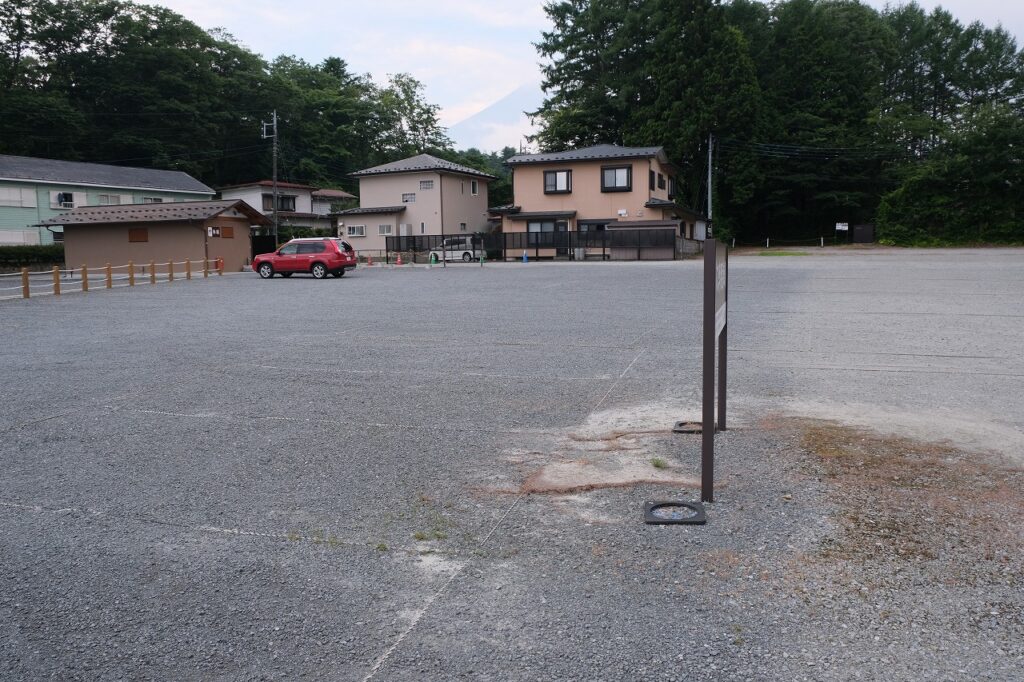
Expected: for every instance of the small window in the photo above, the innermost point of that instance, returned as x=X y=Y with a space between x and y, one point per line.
x=356 y=230
x=423 y=228
x=384 y=229
x=213 y=232
x=474 y=187
x=289 y=249
x=462 y=227
x=426 y=184
x=227 y=232
x=617 y=179
x=409 y=198
x=110 y=199
x=65 y=200
x=558 y=182
x=661 y=181
x=58 y=237
x=650 y=179
x=152 y=200
x=138 y=234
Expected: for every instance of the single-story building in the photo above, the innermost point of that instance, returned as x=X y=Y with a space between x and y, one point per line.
x=140 y=233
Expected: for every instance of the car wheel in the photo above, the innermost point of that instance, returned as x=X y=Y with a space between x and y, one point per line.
x=319 y=270
x=466 y=258
x=266 y=270
x=286 y=274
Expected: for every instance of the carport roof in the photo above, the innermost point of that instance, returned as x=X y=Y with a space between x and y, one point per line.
x=542 y=215
x=155 y=213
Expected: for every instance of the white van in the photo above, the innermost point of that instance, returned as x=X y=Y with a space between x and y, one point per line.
x=457 y=248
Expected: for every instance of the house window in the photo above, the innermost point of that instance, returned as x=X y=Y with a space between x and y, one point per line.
x=616 y=178
x=661 y=181
x=110 y=199
x=138 y=234
x=558 y=182
x=671 y=188
x=284 y=203
x=58 y=236
x=227 y=232
x=426 y=184
x=423 y=228
x=213 y=232
x=17 y=197
x=462 y=227
x=384 y=229
x=650 y=179
x=152 y=200
x=356 y=230
x=474 y=187
x=409 y=198
x=65 y=200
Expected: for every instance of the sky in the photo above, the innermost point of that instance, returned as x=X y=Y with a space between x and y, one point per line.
x=468 y=53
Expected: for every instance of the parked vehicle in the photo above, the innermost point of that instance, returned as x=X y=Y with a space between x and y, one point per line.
x=317 y=256
x=458 y=248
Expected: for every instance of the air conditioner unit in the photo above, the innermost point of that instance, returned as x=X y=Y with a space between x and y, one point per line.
x=623 y=213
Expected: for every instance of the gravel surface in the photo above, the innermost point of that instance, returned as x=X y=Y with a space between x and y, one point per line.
x=237 y=478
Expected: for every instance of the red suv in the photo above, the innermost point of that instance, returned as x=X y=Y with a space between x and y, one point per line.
x=317 y=256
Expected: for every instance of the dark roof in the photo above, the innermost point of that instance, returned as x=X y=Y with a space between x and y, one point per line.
x=368 y=211
x=422 y=162
x=507 y=208
x=79 y=173
x=328 y=193
x=596 y=153
x=155 y=213
x=541 y=215
x=270 y=183
x=637 y=224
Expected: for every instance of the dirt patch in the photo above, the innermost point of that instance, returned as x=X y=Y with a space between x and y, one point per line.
x=613 y=471
x=926 y=510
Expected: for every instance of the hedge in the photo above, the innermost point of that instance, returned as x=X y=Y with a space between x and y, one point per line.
x=22 y=256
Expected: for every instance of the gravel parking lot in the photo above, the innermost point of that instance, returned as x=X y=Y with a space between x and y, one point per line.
x=439 y=474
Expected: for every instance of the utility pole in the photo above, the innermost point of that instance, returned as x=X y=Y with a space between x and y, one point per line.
x=273 y=126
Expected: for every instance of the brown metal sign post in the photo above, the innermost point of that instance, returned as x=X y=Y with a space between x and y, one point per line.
x=716 y=317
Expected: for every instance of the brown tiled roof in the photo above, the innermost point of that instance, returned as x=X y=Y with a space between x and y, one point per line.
x=155 y=213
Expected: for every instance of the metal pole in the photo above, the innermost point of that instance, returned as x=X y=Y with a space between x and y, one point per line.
x=711 y=142
x=722 y=345
x=707 y=452
x=275 y=176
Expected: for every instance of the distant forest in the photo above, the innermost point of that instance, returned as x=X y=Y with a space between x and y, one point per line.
x=115 y=82
x=823 y=111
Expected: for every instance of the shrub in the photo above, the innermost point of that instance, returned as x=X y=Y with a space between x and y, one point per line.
x=24 y=256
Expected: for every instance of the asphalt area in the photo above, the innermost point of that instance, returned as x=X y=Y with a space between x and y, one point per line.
x=411 y=474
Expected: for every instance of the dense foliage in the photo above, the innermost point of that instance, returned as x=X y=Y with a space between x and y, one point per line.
x=825 y=110
x=23 y=256
x=115 y=82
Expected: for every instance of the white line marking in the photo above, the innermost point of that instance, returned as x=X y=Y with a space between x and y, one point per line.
x=621 y=376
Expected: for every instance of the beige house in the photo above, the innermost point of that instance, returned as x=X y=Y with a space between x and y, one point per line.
x=419 y=196
x=606 y=187
x=140 y=233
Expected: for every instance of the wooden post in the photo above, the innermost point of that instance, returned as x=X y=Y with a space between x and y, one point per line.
x=206 y=268
x=220 y=266
x=131 y=274
x=85 y=278
x=24 y=283
x=110 y=277
x=170 y=271
x=56 y=281
x=188 y=268
x=152 y=272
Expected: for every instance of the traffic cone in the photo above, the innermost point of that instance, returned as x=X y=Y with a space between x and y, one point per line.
x=399 y=261
x=525 y=259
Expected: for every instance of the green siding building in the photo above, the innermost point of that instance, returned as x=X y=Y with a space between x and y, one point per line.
x=32 y=190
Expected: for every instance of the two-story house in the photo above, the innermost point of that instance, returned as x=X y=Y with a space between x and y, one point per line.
x=297 y=205
x=33 y=190
x=421 y=195
x=605 y=187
